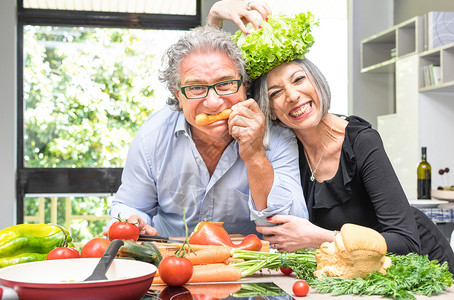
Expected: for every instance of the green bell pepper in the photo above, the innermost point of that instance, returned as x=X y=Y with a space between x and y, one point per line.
x=21 y=258
x=23 y=242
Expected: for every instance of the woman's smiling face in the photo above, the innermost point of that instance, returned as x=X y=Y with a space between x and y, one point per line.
x=294 y=100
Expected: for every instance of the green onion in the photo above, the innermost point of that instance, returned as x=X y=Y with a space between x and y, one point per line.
x=302 y=262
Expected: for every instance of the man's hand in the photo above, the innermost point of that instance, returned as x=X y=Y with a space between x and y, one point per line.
x=144 y=228
x=247 y=126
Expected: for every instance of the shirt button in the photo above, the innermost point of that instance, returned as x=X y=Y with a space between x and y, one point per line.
x=197 y=160
x=186 y=134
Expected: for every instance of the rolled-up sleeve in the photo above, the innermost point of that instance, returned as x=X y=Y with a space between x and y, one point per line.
x=286 y=195
x=137 y=193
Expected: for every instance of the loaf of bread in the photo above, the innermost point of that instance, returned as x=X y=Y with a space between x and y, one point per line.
x=355 y=252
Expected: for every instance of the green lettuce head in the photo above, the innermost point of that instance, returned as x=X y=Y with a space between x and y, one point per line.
x=281 y=39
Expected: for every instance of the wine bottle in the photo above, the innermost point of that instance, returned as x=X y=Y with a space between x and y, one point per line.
x=424 y=176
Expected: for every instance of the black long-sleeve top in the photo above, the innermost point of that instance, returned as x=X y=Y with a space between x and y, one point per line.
x=364 y=191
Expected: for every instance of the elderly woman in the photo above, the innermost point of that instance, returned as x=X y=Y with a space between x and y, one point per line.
x=345 y=172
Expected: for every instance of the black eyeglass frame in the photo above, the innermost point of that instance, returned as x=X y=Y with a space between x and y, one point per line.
x=212 y=86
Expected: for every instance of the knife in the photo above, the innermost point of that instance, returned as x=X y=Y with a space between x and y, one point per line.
x=157 y=238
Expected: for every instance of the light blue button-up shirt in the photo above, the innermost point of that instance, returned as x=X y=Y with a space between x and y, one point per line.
x=163 y=163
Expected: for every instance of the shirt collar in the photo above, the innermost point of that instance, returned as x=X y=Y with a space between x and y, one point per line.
x=182 y=126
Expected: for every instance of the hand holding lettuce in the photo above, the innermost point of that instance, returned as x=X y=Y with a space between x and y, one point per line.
x=281 y=39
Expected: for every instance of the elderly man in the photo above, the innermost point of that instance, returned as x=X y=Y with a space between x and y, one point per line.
x=213 y=169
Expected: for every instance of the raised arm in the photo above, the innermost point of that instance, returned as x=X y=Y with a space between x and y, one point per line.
x=241 y=12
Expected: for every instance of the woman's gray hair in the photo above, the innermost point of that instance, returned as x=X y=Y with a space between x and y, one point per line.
x=314 y=75
x=201 y=39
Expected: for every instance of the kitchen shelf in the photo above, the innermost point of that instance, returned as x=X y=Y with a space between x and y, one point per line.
x=380 y=51
x=443 y=57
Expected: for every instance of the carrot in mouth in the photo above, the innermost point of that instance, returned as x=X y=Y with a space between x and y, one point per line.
x=205 y=119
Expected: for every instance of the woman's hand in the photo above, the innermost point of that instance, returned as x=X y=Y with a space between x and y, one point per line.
x=238 y=11
x=144 y=228
x=294 y=233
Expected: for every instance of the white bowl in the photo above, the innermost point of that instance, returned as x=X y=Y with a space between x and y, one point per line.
x=443 y=195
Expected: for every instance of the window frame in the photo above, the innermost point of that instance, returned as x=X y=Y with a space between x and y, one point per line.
x=89 y=181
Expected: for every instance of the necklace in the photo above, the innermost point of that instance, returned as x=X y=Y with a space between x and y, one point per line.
x=321 y=156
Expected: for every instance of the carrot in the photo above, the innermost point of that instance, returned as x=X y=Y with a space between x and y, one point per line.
x=205 y=119
x=213 y=254
x=210 y=273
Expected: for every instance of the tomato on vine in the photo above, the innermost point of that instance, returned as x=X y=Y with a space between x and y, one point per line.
x=123 y=230
x=175 y=271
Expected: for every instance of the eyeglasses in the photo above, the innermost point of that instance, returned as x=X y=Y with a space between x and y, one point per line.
x=223 y=88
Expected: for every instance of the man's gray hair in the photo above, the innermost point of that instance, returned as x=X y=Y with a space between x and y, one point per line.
x=202 y=39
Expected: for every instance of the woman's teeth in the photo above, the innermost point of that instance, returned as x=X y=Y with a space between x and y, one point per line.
x=300 y=111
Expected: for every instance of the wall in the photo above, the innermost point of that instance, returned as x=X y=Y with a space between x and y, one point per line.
x=7 y=112
x=406 y=9
x=366 y=18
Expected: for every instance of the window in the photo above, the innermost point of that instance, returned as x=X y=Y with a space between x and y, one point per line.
x=88 y=79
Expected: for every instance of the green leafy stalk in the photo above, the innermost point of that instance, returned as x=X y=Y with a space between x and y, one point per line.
x=181 y=252
x=302 y=262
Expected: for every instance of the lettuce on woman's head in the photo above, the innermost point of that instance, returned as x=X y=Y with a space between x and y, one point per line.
x=281 y=39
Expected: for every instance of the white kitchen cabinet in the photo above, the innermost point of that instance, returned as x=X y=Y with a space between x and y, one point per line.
x=380 y=51
x=423 y=115
x=443 y=57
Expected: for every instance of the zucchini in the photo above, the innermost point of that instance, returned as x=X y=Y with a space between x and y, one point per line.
x=146 y=252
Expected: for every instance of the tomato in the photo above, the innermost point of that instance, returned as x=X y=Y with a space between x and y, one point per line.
x=95 y=247
x=62 y=253
x=300 y=288
x=175 y=293
x=286 y=271
x=123 y=230
x=175 y=271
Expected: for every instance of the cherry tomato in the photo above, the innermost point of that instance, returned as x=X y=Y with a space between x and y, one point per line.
x=123 y=230
x=286 y=271
x=300 y=288
x=62 y=253
x=95 y=247
x=175 y=271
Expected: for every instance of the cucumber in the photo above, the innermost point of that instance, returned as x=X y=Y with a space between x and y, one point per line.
x=146 y=252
